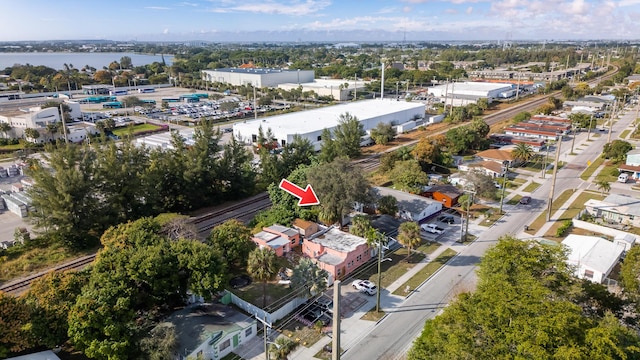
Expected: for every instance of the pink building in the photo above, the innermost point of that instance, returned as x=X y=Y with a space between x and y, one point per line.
x=337 y=252
x=278 y=238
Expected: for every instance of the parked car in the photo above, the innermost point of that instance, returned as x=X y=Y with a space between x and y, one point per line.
x=448 y=219
x=324 y=303
x=432 y=228
x=525 y=200
x=312 y=314
x=365 y=286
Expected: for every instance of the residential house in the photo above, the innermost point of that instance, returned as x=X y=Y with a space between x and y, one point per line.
x=337 y=252
x=411 y=207
x=593 y=257
x=503 y=140
x=490 y=168
x=210 y=331
x=616 y=208
x=280 y=239
x=529 y=132
x=499 y=156
x=305 y=228
x=446 y=194
x=632 y=164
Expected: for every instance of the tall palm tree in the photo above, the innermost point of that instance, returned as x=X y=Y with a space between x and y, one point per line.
x=603 y=186
x=523 y=152
x=261 y=265
x=5 y=128
x=409 y=235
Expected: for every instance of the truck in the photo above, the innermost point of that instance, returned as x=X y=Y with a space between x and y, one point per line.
x=432 y=228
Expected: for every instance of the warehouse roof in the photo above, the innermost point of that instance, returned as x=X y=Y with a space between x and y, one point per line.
x=259 y=71
x=326 y=117
x=474 y=86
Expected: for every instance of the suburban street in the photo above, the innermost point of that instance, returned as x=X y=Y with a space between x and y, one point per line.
x=393 y=336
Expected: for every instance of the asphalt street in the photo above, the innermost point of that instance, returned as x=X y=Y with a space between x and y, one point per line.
x=393 y=336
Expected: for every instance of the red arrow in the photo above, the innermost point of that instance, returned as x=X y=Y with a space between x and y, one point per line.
x=307 y=196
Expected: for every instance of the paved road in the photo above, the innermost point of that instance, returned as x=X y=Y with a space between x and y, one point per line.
x=393 y=337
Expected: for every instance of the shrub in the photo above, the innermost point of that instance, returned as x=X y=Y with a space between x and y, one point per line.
x=563 y=228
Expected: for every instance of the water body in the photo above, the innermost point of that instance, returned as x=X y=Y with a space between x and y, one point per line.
x=78 y=60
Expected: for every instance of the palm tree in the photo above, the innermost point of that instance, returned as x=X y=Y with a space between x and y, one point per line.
x=261 y=265
x=409 y=235
x=523 y=152
x=281 y=347
x=603 y=186
x=31 y=133
x=5 y=128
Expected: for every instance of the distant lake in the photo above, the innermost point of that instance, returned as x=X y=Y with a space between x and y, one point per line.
x=78 y=60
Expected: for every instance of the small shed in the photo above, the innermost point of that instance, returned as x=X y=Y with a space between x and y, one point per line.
x=448 y=195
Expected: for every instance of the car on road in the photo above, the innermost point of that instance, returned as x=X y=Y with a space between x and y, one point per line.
x=365 y=286
x=525 y=200
x=447 y=219
x=432 y=228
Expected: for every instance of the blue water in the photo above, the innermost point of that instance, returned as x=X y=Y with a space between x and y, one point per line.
x=78 y=60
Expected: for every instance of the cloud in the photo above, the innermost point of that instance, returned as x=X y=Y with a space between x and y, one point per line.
x=184 y=3
x=272 y=7
x=451 y=11
x=469 y=10
x=387 y=10
x=165 y=31
x=157 y=8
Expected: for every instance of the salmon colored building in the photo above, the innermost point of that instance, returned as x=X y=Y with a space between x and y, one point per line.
x=280 y=239
x=337 y=252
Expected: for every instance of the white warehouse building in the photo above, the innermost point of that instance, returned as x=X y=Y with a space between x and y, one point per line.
x=469 y=90
x=338 y=89
x=260 y=77
x=310 y=124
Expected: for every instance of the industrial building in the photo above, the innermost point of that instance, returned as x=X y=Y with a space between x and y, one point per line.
x=338 y=89
x=310 y=124
x=462 y=93
x=259 y=77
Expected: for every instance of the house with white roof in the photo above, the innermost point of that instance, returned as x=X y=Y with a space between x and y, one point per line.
x=593 y=257
x=616 y=208
x=411 y=207
x=278 y=238
x=42 y=355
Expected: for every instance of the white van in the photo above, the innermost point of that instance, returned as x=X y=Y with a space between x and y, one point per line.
x=623 y=178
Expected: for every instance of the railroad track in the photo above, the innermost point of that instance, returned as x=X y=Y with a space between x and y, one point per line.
x=244 y=211
x=20 y=286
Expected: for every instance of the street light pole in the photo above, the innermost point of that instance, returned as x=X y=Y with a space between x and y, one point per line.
x=379 y=275
x=504 y=183
x=589 y=129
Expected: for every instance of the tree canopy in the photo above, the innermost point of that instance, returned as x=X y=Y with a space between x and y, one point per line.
x=527 y=305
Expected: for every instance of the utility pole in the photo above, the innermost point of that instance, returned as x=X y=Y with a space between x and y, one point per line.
x=335 y=342
x=382 y=83
x=615 y=105
x=379 y=275
x=553 y=181
x=544 y=162
x=255 y=104
x=265 y=328
x=64 y=125
x=573 y=140
x=466 y=230
x=589 y=129
x=518 y=88
x=504 y=183
x=355 y=87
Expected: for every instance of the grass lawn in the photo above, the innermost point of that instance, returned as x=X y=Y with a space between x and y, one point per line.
x=427 y=248
x=518 y=181
x=20 y=261
x=609 y=173
x=624 y=133
x=591 y=169
x=425 y=273
x=531 y=187
x=124 y=131
x=542 y=218
x=573 y=210
x=13 y=147
x=372 y=315
x=390 y=271
x=514 y=200
x=536 y=165
x=490 y=216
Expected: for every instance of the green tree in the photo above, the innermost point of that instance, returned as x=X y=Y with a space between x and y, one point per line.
x=360 y=224
x=237 y=175
x=281 y=347
x=202 y=269
x=31 y=133
x=338 y=185
x=522 y=153
x=347 y=135
x=408 y=176
x=630 y=274
x=232 y=239
x=409 y=235
x=616 y=150
x=388 y=205
x=604 y=186
x=15 y=324
x=308 y=276
x=299 y=152
x=50 y=299
x=160 y=344
x=125 y=62
x=383 y=133
x=5 y=128
x=329 y=148
x=66 y=201
x=261 y=266
x=521 y=116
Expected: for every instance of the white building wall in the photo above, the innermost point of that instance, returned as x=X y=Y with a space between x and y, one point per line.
x=271 y=78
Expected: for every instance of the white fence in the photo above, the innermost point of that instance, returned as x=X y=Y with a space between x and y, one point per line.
x=601 y=229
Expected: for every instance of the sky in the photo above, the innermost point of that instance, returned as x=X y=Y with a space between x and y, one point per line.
x=321 y=20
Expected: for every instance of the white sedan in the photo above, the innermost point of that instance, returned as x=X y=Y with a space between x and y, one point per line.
x=365 y=286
